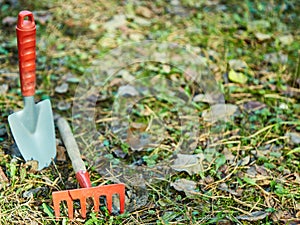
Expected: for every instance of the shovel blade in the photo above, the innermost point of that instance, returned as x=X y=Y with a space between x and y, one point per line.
x=38 y=144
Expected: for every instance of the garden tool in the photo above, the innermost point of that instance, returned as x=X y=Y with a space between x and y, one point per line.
x=86 y=191
x=33 y=127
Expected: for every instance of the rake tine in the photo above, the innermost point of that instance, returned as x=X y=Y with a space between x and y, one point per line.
x=70 y=209
x=56 y=205
x=58 y=197
x=109 y=203
x=83 y=207
x=96 y=203
x=122 y=201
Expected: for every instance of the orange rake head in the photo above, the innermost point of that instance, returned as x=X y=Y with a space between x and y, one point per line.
x=83 y=194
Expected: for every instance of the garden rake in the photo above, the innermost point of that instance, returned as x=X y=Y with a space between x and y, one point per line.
x=86 y=191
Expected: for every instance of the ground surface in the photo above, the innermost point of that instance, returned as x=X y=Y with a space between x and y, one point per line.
x=213 y=131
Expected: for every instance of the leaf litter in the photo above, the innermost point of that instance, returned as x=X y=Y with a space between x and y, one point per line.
x=258 y=155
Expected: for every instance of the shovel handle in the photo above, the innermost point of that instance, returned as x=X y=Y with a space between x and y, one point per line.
x=26 y=32
x=67 y=136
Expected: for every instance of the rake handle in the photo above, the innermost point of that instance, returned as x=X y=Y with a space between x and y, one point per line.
x=67 y=136
x=26 y=38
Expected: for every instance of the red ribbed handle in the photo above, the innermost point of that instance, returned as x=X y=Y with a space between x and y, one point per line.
x=26 y=31
x=83 y=178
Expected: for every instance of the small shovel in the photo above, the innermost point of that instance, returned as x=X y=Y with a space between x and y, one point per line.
x=32 y=127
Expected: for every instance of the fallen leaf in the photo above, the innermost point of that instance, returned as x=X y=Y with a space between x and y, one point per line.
x=262 y=37
x=204 y=98
x=185 y=185
x=107 y=42
x=144 y=11
x=127 y=91
x=251 y=171
x=261 y=170
x=116 y=22
x=137 y=141
x=166 y=68
x=286 y=39
x=70 y=78
x=192 y=164
x=136 y=36
x=280 y=215
x=224 y=187
x=245 y=161
x=141 y=21
x=31 y=192
x=276 y=58
x=258 y=25
x=209 y=179
x=63 y=106
x=9 y=21
x=3 y=177
x=115 y=82
x=228 y=155
x=237 y=64
x=3 y=130
x=137 y=126
x=294 y=137
x=254 y=216
x=128 y=77
x=237 y=77
x=63 y=88
x=3 y=89
x=61 y=153
x=253 y=106
x=219 y=112
x=119 y=153
x=42 y=16
x=33 y=164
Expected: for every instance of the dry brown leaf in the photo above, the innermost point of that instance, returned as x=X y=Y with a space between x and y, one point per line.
x=281 y=215
x=116 y=22
x=3 y=177
x=63 y=88
x=116 y=82
x=127 y=91
x=224 y=187
x=253 y=106
x=286 y=39
x=3 y=89
x=61 y=153
x=185 y=185
x=42 y=16
x=144 y=11
x=228 y=155
x=33 y=164
x=254 y=216
x=245 y=161
x=192 y=164
x=204 y=98
x=9 y=21
x=219 y=112
x=63 y=105
x=294 y=137
x=262 y=37
x=237 y=64
x=137 y=126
